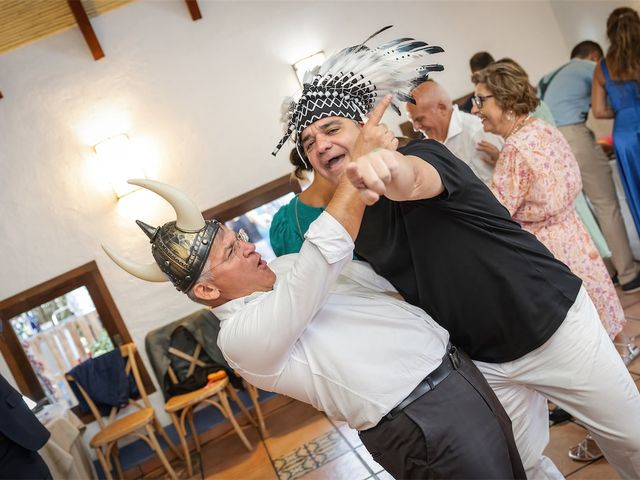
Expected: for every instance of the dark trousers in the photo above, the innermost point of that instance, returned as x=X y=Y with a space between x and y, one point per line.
x=17 y=462
x=459 y=430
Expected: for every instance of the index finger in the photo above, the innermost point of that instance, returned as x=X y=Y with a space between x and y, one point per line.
x=376 y=114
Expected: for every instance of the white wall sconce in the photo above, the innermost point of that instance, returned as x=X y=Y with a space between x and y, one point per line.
x=118 y=163
x=307 y=63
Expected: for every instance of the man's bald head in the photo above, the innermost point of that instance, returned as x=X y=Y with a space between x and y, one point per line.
x=432 y=112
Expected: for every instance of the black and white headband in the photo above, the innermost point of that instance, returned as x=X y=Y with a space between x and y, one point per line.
x=350 y=83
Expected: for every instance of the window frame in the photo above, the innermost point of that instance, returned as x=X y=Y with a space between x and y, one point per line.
x=87 y=275
x=254 y=198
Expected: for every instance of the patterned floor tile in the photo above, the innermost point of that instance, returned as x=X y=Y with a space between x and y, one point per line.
x=345 y=467
x=311 y=456
x=289 y=428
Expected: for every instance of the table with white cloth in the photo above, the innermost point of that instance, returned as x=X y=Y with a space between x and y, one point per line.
x=65 y=454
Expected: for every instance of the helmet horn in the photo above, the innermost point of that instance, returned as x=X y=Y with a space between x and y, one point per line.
x=150 y=272
x=189 y=218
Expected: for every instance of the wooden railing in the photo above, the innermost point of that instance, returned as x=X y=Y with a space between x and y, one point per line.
x=62 y=347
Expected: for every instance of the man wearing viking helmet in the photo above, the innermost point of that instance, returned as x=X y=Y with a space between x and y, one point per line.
x=315 y=326
x=322 y=328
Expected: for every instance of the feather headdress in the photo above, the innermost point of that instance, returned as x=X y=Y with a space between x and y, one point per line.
x=349 y=83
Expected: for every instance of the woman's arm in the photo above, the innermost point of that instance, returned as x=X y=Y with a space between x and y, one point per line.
x=599 y=104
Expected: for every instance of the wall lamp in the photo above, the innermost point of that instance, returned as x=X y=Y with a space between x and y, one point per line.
x=118 y=163
x=304 y=65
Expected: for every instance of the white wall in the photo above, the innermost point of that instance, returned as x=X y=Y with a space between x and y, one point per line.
x=586 y=19
x=200 y=102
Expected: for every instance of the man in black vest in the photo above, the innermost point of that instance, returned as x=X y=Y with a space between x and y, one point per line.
x=21 y=436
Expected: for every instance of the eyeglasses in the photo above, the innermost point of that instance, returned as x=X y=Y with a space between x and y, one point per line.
x=478 y=100
x=241 y=236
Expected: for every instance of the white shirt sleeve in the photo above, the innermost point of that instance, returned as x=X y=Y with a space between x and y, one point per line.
x=258 y=339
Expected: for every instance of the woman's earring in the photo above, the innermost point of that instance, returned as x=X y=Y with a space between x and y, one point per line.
x=510 y=115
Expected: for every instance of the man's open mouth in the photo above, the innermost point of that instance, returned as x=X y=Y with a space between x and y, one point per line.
x=334 y=161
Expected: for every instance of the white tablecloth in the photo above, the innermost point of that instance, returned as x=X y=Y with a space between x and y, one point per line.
x=65 y=454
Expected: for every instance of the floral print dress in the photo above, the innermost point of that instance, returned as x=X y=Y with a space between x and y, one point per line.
x=537 y=179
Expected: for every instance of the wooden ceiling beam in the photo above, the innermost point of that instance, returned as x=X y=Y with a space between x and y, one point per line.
x=82 y=19
x=194 y=9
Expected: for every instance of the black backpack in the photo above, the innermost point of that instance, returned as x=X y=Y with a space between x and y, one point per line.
x=177 y=379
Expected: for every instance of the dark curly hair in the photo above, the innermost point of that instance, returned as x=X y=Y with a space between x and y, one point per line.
x=509 y=84
x=300 y=168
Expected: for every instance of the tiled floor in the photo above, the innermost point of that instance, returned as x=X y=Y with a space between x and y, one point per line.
x=303 y=443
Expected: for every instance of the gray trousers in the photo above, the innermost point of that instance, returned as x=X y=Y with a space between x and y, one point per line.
x=459 y=430
x=598 y=186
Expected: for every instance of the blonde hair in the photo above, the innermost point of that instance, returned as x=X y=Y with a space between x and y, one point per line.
x=509 y=85
x=623 y=56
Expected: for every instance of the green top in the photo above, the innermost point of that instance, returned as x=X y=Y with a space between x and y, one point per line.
x=544 y=113
x=289 y=225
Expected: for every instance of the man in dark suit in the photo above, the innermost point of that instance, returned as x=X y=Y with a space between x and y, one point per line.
x=21 y=436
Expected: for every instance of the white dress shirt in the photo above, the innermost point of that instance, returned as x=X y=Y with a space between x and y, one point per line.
x=329 y=335
x=464 y=134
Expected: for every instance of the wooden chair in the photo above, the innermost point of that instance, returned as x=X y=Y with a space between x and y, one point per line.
x=180 y=407
x=105 y=442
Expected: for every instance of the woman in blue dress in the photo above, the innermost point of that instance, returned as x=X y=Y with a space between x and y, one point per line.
x=617 y=78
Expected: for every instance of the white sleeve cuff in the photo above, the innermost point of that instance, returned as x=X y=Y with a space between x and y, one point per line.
x=331 y=238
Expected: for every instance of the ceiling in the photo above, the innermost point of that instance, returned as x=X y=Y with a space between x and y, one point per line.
x=26 y=21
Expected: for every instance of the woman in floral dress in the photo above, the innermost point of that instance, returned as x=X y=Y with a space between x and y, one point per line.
x=537 y=179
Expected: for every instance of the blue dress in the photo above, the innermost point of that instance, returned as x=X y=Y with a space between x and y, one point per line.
x=624 y=97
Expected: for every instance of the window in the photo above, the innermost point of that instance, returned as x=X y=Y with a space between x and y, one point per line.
x=58 y=335
x=257 y=222
x=65 y=319
x=254 y=210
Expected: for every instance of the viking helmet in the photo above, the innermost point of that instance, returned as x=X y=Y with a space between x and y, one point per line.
x=180 y=248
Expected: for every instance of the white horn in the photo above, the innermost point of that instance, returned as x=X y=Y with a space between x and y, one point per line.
x=149 y=272
x=189 y=218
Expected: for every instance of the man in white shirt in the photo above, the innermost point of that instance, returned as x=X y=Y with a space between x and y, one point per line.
x=324 y=329
x=437 y=118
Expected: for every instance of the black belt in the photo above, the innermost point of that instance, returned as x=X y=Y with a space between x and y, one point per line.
x=450 y=362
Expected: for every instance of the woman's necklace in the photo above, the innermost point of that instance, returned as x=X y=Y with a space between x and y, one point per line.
x=298 y=219
x=517 y=125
